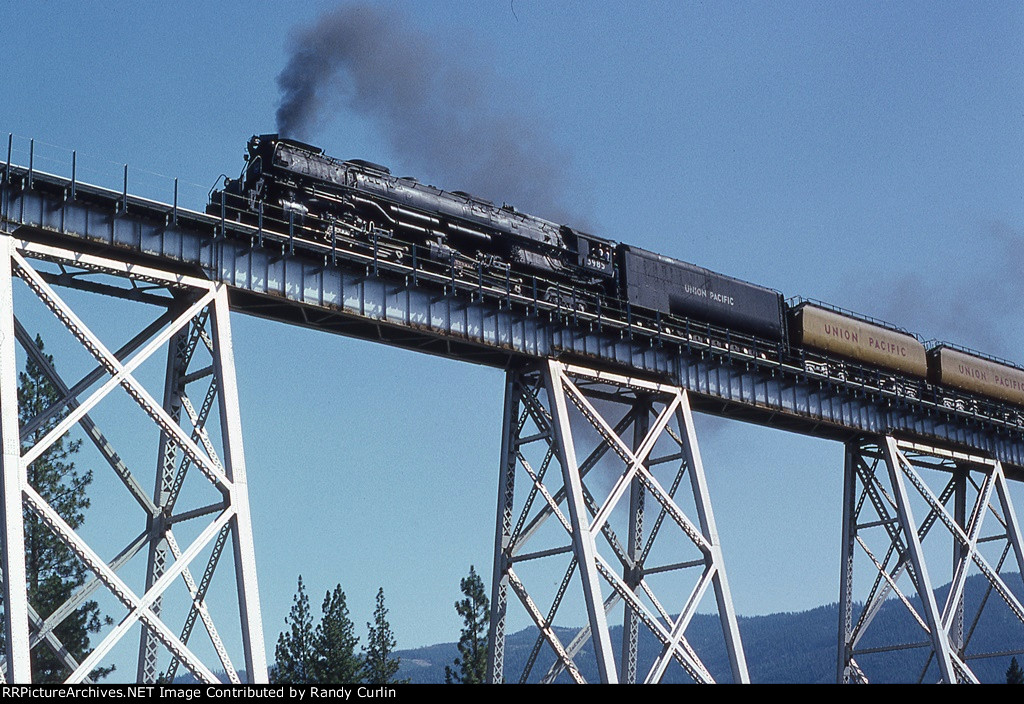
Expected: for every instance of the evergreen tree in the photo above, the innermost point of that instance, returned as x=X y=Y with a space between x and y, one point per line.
x=335 y=642
x=1014 y=673
x=52 y=570
x=295 y=653
x=471 y=666
x=380 y=665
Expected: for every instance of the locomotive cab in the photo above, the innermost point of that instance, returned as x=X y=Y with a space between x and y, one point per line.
x=594 y=255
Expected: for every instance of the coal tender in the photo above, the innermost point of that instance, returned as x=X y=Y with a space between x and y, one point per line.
x=660 y=283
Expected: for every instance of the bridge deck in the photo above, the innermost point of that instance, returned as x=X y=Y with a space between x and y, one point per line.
x=455 y=314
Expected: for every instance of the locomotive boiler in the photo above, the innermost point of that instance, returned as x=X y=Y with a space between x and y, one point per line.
x=295 y=182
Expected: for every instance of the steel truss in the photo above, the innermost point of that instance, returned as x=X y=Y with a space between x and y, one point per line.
x=885 y=479
x=194 y=329
x=614 y=475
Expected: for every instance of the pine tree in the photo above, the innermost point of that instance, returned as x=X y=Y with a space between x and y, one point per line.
x=380 y=665
x=1014 y=674
x=295 y=653
x=471 y=666
x=337 y=659
x=52 y=570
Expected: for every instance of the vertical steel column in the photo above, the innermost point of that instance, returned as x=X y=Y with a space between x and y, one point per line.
x=960 y=554
x=582 y=539
x=1013 y=531
x=939 y=639
x=241 y=523
x=845 y=644
x=14 y=479
x=503 y=531
x=698 y=481
x=166 y=464
x=634 y=547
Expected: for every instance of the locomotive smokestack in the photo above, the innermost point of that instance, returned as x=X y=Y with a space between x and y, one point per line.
x=446 y=117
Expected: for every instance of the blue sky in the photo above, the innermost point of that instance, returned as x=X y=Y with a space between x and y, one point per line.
x=867 y=154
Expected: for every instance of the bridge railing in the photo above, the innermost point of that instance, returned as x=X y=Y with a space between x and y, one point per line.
x=90 y=169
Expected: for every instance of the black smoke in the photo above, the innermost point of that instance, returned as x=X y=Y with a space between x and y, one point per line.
x=974 y=300
x=436 y=104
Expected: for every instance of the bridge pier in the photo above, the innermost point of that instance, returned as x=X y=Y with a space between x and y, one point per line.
x=205 y=471
x=611 y=483
x=888 y=487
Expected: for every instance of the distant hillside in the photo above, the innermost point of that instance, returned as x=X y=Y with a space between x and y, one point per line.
x=780 y=648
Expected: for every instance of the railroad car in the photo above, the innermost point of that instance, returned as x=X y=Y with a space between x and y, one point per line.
x=844 y=335
x=659 y=283
x=961 y=369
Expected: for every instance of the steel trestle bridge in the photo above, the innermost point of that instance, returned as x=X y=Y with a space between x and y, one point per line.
x=584 y=389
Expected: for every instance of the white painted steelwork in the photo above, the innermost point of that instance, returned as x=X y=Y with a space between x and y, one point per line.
x=887 y=481
x=195 y=319
x=553 y=413
x=16 y=614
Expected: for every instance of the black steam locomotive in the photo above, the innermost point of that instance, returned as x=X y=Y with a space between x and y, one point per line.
x=297 y=185
x=292 y=187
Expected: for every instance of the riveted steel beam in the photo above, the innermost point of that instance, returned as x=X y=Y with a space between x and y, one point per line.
x=318 y=285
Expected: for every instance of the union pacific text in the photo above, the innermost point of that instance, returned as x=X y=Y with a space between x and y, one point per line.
x=848 y=335
x=712 y=295
x=984 y=376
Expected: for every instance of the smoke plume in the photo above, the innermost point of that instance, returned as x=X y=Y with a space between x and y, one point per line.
x=977 y=303
x=446 y=117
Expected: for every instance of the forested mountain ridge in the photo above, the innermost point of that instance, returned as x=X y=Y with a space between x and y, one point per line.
x=781 y=648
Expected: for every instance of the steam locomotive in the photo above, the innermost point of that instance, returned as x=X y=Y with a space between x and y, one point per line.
x=293 y=186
